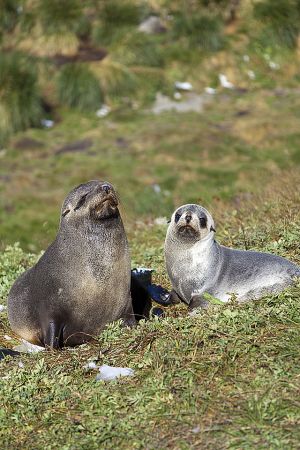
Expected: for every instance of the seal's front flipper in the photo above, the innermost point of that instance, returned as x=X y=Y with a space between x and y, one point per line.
x=198 y=302
x=8 y=352
x=54 y=336
x=159 y=294
x=162 y=296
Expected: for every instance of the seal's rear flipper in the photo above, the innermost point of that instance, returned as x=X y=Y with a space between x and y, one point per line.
x=54 y=336
x=159 y=294
x=8 y=352
x=157 y=312
x=141 y=301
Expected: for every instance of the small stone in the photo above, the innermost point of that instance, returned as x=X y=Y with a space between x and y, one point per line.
x=210 y=90
x=224 y=82
x=183 y=86
x=152 y=25
x=156 y=188
x=103 y=111
x=177 y=96
x=47 y=123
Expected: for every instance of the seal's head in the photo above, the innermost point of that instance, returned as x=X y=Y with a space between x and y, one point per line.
x=95 y=201
x=192 y=222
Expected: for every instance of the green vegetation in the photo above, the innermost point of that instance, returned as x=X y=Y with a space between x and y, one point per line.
x=221 y=154
x=282 y=20
x=229 y=377
x=20 y=99
x=202 y=30
x=79 y=88
x=76 y=48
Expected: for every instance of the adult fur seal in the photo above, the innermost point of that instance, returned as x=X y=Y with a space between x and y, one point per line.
x=82 y=281
x=197 y=264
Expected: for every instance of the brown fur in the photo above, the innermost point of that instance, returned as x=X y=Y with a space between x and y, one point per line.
x=82 y=282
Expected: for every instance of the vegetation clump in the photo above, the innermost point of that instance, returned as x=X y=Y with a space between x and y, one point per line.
x=79 y=88
x=55 y=35
x=20 y=98
x=281 y=19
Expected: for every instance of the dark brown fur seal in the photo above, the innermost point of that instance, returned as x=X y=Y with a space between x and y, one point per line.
x=82 y=281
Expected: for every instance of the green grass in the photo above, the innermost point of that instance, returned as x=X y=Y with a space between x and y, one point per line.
x=20 y=97
x=78 y=87
x=193 y=158
x=227 y=378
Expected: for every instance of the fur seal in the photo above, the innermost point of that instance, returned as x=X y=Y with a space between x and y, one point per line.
x=197 y=264
x=82 y=281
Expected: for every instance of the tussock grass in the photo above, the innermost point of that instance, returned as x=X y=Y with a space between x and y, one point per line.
x=281 y=21
x=78 y=87
x=203 y=30
x=20 y=100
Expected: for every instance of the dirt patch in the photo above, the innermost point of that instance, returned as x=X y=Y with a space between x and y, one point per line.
x=85 y=53
x=75 y=147
x=28 y=143
x=121 y=142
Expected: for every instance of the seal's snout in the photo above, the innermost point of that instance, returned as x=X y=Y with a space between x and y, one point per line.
x=106 y=188
x=188 y=218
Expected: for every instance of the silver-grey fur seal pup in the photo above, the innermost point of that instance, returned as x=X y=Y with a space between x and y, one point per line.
x=82 y=281
x=197 y=264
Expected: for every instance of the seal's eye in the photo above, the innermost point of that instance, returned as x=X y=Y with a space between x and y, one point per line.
x=65 y=212
x=203 y=222
x=177 y=217
x=80 y=202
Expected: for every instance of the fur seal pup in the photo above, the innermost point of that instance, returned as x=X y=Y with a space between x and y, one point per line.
x=197 y=264
x=82 y=281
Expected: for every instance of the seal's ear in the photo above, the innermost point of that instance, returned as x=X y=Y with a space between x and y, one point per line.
x=212 y=229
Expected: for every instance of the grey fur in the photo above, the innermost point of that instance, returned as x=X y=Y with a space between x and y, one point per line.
x=197 y=264
x=82 y=281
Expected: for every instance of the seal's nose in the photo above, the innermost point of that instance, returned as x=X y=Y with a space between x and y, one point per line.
x=106 y=187
x=188 y=218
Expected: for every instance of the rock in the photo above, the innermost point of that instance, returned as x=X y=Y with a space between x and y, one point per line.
x=183 y=86
x=210 y=90
x=108 y=373
x=47 y=123
x=103 y=111
x=152 y=25
x=27 y=347
x=224 y=82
